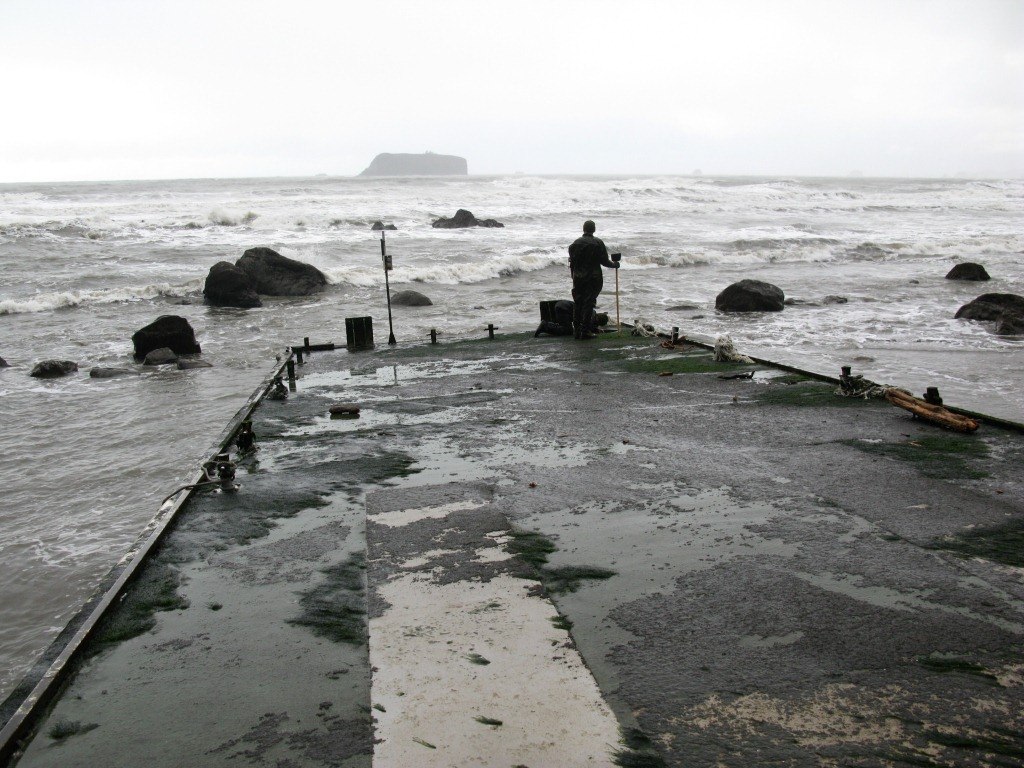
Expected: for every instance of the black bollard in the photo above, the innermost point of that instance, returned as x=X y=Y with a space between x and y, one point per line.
x=298 y=356
x=675 y=334
x=433 y=336
x=932 y=396
x=305 y=342
x=846 y=371
x=490 y=330
x=291 y=370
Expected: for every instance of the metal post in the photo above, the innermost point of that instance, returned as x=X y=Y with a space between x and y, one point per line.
x=490 y=330
x=433 y=336
x=291 y=370
x=618 y=322
x=675 y=334
x=387 y=285
x=298 y=356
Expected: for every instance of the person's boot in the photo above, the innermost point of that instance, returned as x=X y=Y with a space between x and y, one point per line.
x=581 y=332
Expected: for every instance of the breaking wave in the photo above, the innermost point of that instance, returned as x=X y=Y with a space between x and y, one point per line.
x=47 y=302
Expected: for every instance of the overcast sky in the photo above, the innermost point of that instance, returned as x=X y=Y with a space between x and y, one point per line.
x=149 y=89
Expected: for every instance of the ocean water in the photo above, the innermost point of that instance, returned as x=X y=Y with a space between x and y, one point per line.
x=86 y=462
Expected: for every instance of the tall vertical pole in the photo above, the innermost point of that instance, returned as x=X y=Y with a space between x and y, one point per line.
x=387 y=286
x=618 y=323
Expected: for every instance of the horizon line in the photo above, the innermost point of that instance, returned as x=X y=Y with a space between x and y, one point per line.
x=693 y=175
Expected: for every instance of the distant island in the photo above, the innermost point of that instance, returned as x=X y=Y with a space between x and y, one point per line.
x=426 y=164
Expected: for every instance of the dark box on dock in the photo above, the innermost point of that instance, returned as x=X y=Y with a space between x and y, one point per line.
x=359 y=332
x=547 y=311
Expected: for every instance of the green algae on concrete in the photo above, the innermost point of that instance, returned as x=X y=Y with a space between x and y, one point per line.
x=946 y=455
x=65 y=729
x=155 y=589
x=796 y=390
x=531 y=547
x=334 y=609
x=956 y=665
x=638 y=751
x=939 y=749
x=534 y=548
x=699 y=361
x=1002 y=544
x=568 y=578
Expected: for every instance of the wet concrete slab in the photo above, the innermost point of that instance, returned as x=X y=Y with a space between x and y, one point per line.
x=662 y=566
x=496 y=679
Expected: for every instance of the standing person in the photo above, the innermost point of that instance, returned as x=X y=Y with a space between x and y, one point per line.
x=587 y=255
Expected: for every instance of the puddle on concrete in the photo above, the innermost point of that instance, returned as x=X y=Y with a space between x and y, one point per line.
x=393 y=375
x=769 y=641
x=913 y=601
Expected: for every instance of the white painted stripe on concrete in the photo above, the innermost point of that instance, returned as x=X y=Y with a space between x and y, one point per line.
x=429 y=685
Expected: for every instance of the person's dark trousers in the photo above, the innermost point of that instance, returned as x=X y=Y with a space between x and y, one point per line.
x=585 y=290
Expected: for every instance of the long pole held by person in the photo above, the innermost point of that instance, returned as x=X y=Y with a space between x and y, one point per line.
x=617 y=258
x=387 y=284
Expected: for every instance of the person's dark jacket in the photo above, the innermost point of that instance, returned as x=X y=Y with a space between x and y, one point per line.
x=587 y=255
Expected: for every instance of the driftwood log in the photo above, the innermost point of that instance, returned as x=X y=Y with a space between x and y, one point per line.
x=933 y=413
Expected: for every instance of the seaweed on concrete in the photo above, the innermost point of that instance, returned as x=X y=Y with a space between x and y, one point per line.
x=1001 y=544
x=488 y=720
x=700 y=361
x=534 y=548
x=569 y=578
x=949 y=456
x=797 y=390
x=155 y=589
x=335 y=609
x=637 y=752
x=64 y=729
x=986 y=746
x=949 y=665
x=531 y=547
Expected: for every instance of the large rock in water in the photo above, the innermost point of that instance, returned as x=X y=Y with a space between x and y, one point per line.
x=968 y=271
x=427 y=164
x=1005 y=309
x=276 y=275
x=411 y=299
x=169 y=331
x=51 y=369
x=751 y=296
x=228 y=286
x=464 y=218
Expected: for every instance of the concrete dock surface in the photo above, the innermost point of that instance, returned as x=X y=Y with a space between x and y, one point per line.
x=545 y=552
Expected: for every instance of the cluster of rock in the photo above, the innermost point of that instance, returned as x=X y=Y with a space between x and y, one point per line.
x=171 y=340
x=168 y=340
x=463 y=219
x=1006 y=310
x=260 y=271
